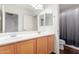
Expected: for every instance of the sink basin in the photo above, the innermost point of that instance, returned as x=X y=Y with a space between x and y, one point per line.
x=8 y=39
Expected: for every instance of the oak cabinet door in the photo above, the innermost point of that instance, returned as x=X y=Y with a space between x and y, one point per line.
x=9 y=49
x=42 y=45
x=50 y=43
x=26 y=47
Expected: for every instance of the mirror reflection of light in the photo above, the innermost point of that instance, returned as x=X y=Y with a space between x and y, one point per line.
x=37 y=6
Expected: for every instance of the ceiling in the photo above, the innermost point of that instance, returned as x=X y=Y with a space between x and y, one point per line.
x=64 y=7
x=26 y=7
x=29 y=7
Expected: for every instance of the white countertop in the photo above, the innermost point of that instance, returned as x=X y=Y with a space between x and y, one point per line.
x=8 y=39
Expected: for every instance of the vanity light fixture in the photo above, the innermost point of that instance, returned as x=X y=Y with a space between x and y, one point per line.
x=37 y=6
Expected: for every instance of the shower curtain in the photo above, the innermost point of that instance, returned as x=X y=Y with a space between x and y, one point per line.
x=69 y=27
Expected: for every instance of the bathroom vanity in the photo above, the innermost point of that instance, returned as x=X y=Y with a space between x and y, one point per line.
x=23 y=31
x=36 y=45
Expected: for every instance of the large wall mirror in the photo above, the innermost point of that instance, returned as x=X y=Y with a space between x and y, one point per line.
x=17 y=18
x=22 y=17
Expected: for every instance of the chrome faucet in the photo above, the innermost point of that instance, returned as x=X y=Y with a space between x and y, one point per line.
x=39 y=32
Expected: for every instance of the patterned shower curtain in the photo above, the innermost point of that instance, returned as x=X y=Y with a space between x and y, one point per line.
x=69 y=27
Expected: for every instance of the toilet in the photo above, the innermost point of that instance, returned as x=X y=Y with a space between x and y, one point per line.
x=61 y=44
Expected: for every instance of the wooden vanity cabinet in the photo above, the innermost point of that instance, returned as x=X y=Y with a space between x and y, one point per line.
x=26 y=47
x=45 y=45
x=50 y=44
x=40 y=45
x=8 y=49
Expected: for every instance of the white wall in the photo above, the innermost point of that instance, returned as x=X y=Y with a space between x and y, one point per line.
x=56 y=26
